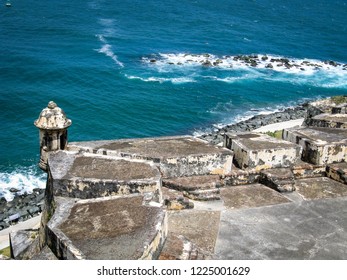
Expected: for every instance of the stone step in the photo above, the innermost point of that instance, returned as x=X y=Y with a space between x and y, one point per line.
x=337 y=172
x=320 y=145
x=308 y=170
x=203 y=195
x=280 y=179
x=192 y=183
x=328 y=120
x=204 y=187
x=259 y=151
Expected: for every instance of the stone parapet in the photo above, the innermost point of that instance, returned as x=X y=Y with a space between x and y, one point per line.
x=259 y=151
x=84 y=175
x=328 y=120
x=320 y=145
x=175 y=156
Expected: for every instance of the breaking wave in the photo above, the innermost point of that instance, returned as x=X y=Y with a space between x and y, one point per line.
x=21 y=180
x=231 y=69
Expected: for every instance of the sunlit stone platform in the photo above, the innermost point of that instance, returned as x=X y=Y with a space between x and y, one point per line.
x=125 y=228
x=175 y=156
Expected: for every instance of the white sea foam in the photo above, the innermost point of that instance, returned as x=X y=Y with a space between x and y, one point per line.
x=259 y=61
x=107 y=50
x=179 y=80
x=24 y=180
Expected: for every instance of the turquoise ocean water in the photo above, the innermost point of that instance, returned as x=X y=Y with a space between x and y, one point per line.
x=123 y=69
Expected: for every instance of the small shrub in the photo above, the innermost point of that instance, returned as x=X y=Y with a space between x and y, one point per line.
x=277 y=134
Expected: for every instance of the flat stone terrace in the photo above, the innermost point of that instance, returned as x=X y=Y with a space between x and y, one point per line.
x=123 y=228
x=256 y=222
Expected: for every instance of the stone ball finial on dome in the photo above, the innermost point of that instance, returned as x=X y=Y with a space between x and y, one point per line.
x=52 y=118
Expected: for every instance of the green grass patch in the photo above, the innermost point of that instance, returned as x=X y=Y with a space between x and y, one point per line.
x=339 y=99
x=6 y=252
x=277 y=134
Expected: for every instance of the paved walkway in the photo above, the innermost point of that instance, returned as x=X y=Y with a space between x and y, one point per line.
x=279 y=126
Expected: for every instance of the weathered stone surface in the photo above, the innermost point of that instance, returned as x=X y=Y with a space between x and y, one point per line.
x=320 y=145
x=248 y=196
x=318 y=188
x=241 y=177
x=45 y=254
x=259 y=151
x=174 y=200
x=328 y=120
x=280 y=179
x=306 y=230
x=337 y=172
x=308 y=170
x=176 y=156
x=204 y=187
x=90 y=176
x=199 y=227
x=180 y=248
x=24 y=244
x=107 y=228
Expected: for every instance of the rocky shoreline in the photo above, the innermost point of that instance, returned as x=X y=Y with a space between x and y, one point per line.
x=217 y=136
x=26 y=206
x=21 y=208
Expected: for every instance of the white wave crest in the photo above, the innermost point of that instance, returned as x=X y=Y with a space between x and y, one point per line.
x=107 y=50
x=20 y=181
x=258 y=61
x=179 y=80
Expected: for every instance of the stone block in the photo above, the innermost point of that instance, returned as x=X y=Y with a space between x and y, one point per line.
x=318 y=188
x=308 y=170
x=249 y=196
x=84 y=175
x=328 y=120
x=320 y=145
x=337 y=172
x=280 y=179
x=24 y=244
x=260 y=151
x=203 y=187
x=176 y=156
x=123 y=228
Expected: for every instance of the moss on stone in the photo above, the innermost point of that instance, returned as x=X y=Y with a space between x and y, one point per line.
x=6 y=252
x=339 y=99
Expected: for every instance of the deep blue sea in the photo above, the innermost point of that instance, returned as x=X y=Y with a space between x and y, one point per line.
x=137 y=68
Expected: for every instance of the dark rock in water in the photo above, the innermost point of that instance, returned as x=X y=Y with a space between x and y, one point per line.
x=13 y=190
x=269 y=65
x=153 y=61
x=171 y=63
x=207 y=63
x=179 y=63
x=302 y=69
x=254 y=63
x=263 y=58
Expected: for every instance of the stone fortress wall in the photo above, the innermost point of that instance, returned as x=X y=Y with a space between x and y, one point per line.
x=128 y=199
